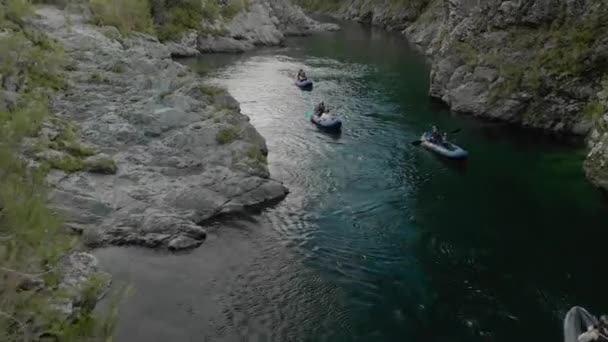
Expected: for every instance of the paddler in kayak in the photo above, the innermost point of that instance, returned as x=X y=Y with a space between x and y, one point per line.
x=320 y=109
x=301 y=76
x=435 y=137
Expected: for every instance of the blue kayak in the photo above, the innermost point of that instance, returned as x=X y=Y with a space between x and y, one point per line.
x=304 y=84
x=448 y=149
x=327 y=122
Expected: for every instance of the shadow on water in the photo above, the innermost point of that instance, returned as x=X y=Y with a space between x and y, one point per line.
x=378 y=240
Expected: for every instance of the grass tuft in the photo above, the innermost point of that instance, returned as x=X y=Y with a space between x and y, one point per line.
x=226 y=135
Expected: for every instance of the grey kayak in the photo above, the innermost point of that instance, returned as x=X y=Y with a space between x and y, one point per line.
x=304 y=84
x=327 y=122
x=448 y=150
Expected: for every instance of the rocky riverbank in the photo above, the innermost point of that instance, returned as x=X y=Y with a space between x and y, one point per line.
x=184 y=153
x=538 y=64
x=258 y=23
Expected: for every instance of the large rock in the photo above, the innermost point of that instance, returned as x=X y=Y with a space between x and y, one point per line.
x=182 y=243
x=77 y=272
x=162 y=172
x=264 y=22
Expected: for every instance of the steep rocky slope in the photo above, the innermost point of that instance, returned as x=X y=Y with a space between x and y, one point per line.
x=183 y=151
x=538 y=64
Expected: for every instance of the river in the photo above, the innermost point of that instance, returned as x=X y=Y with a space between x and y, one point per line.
x=379 y=240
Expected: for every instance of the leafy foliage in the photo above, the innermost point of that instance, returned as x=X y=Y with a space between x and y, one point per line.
x=182 y=16
x=126 y=15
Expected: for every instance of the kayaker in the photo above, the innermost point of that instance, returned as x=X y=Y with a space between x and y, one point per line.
x=435 y=135
x=320 y=109
x=301 y=75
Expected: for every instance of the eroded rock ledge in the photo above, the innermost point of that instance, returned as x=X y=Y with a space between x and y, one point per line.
x=262 y=23
x=183 y=151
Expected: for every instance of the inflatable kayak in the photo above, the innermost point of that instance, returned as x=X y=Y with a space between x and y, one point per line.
x=327 y=122
x=448 y=150
x=304 y=84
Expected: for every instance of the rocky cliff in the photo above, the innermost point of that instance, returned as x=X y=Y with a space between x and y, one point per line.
x=538 y=64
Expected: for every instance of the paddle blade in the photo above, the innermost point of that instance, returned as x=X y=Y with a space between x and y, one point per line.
x=416 y=142
x=307 y=115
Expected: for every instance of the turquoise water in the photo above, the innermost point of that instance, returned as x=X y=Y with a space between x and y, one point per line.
x=378 y=240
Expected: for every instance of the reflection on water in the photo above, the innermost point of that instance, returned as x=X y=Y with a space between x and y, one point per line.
x=378 y=239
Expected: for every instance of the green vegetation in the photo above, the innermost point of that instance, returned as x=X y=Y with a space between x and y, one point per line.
x=78 y=150
x=41 y=59
x=211 y=90
x=101 y=165
x=233 y=7
x=211 y=10
x=12 y=11
x=125 y=15
x=66 y=163
x=181 y=16
x=32 y=237
x=255 y=154
x=594 y=109
x=118 y=68
x=226 y=135
x=467 y=52
x=190 y=14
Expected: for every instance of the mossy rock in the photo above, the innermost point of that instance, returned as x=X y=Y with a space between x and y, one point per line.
x=67 y=163
x=254 y=153
x=100 y=163
x=226 y=135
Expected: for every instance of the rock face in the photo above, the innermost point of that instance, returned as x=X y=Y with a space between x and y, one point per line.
x=263 y=22
x=182 y=149
x=78 y=271
x=537 y=63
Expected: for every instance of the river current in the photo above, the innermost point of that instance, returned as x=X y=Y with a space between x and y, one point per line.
x=379 y=240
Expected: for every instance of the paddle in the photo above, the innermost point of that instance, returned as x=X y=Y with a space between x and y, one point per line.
x=418 y=142
x=307 y=115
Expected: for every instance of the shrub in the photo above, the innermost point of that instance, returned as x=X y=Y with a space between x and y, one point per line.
x=14 y=10
x=125 y=15
x=255 y=154
x=182 y=15
x=101 y=165
x=211 y=90
x=32 y=236
x=210 y=10
x=226 y=135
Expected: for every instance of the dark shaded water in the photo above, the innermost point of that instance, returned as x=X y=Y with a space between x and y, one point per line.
x=379 y=240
